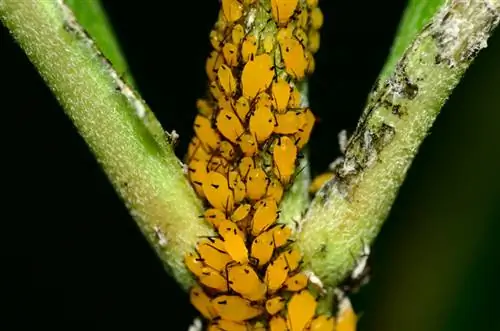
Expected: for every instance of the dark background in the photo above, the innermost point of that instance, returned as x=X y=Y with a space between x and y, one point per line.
x=72 y=255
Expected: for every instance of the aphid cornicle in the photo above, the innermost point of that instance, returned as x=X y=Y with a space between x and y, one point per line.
x=235 y=308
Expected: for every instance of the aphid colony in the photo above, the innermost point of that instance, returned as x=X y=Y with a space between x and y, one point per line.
x=248 y=134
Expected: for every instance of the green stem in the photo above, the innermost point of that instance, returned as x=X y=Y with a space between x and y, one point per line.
x=349 y=211
x=142 y=167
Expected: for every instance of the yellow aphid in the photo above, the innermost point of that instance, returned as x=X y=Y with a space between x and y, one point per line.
x=268 y=43
x=204 y=131
x=226 y=80
x=282 y=10
x=319 y=181
x=216 y=91
x=249 y=48
x=275 y=304
x=225 y=102
x=248 y=144
x=257 y=75
x=312 y=3
x=294 y=57
x=302 y=137
x=277 y=323
x=346 y=318
x=287 y=123
x=237 y=185
x=241 y=212
x=230 y=52
x=284 y=156
x=300 y=310
x=202 y=302
x=265 y=216
x=281 y=94
x=314 y=41
x=302 y=19
x=232 y=9
x=323 y=323
x=213 y=279
x=275 y=190
x=216 y=39
x=229 y=125
x=214 y=61
x=296 y=282
x=194 y=263
x=295 y=98
x=301 y=36
x=281 y=234
x=214 y=216
x=195 y=150
x=262 y=248
x=197 y=171
x=257 y=182
x=217 y=192
x=217 y=243
x=316 y=18
x=245 y=166
x=245 y=281
x=204 y=107
x=212 y=256
x=226 y=325
x=242 y=108
x=263 y=99
x=237 y=34
x=262 y=123
x=235 y=308
x=276 y=274
x=293 y=258
x=227 y=150
x=234 y=241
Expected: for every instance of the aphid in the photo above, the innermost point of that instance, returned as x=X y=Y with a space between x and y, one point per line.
x=216 y=39
x=213 y=279
x=217 y=192
x=265 y=215
x=232 y=9
x=281 y=234
x=275 y=190
x=262 y=123
x=204 y=107
x=257 y=75
x=226 y=325
x=212 y=256
x=234 y=241
x=216 y=92
x=287 y=123
x=319 y=181
x=197 y=171
x=241 y=212
x=237 y=185
x=248 y=48
x=301 y=36
x=242 y=108
x=229 y=125
x=244 y=281
x=214 y=61
x=237 y=34
x=194 y=263
x=284 y=156
x=202 y=302
x=295 y=98
x=226 y=80
x=275 y=304
x=302 y=19
x=277 y=323
x=314 y=41
x=248 y=144
x=226 y=150
x=276 y=273
x=204 y=131
x=323 y=323
x=296 y=282
x=302 y=137
x=262 y=248
x=293 y=258
x=246 y=164
x=293 y=57
x=281 y=94
x=235 y=308
x=282 y=10
x=263 y=99
x=316 y=18
x=300 y=310
x=214 y=216
x=257 y=182
x=230 y=52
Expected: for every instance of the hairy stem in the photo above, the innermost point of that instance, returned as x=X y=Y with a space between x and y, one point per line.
x=350 y=210
x=110 y=117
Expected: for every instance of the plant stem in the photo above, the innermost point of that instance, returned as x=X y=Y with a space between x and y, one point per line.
x=350 y=210
x=141 y=166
